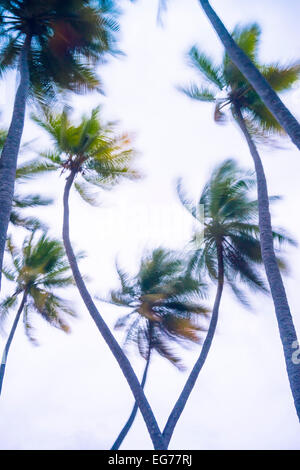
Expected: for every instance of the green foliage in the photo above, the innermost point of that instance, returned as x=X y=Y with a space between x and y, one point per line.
x=227 y=78
x=230 y=221
x=20 y=201
x=67 y=40
x=164 y=304
x=93 y=150
x=38 y=268
x=203 y=64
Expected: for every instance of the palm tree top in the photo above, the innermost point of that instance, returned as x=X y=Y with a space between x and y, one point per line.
x=38 y=268
x=227 y=78
x=95 y=151
x=66 y=40
x=230 y=221
x=164 y=304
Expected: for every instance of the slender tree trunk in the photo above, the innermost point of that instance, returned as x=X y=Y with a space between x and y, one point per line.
x=9 y=156
x=132 y=416
x=113 y=345
x=190 y=383
x=10 y=338
x=254 y=77
x=284 y=318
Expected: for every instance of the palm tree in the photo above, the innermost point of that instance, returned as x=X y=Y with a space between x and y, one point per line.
x=164 y=304
x=230 y=252
x=55 y=46
x=38 y=269
x=254 y=119
x=251 y=72
x=93 y=154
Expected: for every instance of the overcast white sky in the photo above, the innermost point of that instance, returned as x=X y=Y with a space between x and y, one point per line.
x=68 y=393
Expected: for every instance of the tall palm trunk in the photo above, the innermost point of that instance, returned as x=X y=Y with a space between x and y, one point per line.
x=285 y=322
x=10 y=338
x=253 y=75
x=9 y=156
x=127 y=426
x=113 y=345
x=190 y=383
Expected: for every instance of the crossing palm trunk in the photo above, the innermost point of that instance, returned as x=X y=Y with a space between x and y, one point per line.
x=254 y=77
x=284 y=318
x=9 y=156
x=190 y=383
x=10 y=338
x=129 y=423
x=113 y=345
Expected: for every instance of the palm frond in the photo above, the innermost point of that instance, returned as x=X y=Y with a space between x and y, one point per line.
x=190 y=205
x=247 y=37
x=35 y=167
x=281 y=78
x=163 y=299
x=203 y=64
x=30 y=200
x=197 y=93
x=6 y=305
x=86 y=194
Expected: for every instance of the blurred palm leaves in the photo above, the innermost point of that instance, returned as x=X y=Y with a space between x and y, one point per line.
x=164 y=304
x=38 y=268
x=226 y=86
x=98 y=155
x=67 y=40
x=230 y=219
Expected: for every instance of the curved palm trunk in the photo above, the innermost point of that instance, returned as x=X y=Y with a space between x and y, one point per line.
x=127 y=426
x=190 y=383
x=285 y=322
x=9 y=156
x=10 y=338
x=113 y=345
x=253 y=75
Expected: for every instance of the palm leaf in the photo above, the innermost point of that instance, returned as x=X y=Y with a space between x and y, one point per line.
x=163 y=301
x=196 y=93
x=202 y=63
x=86 y=194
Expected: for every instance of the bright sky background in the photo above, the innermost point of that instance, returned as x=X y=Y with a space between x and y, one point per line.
x=69 y=393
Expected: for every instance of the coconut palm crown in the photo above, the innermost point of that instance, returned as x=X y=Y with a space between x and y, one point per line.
x=227 y=86
x=66 y=41
x=164 y=305
x=21 y=202
x=230 y=221
x=92 y=150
